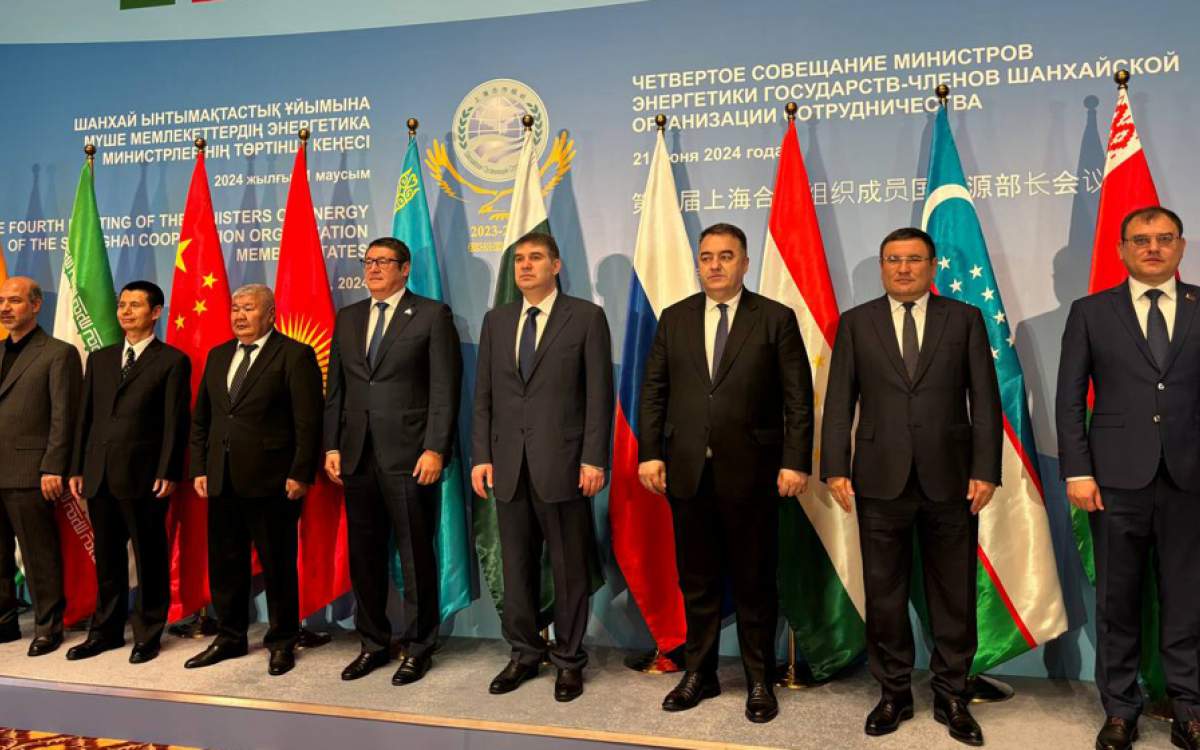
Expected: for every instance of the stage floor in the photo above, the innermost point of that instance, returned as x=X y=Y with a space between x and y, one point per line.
x=618 y=706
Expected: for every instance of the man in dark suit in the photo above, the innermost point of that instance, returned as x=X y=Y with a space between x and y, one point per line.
x=919 y=370
x=394 y=374
x=39 y=390
x=543 y=420
x=129 y=449
x=726 y=428
x=255 y=449
x=1136 y=469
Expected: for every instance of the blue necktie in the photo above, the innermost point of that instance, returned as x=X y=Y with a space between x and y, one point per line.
x=377 y=334
x=528 y=346
x=722 y=337
x=1156 y=329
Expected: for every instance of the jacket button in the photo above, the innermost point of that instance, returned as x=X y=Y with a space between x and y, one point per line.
x=1162 y=387
x=1156 y=419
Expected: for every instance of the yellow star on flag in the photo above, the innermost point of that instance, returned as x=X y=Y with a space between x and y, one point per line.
x=200 y=307
x=179 y=255
x=179 y=322
x=209 y=280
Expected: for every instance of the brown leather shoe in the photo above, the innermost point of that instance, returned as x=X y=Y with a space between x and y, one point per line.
x=1116 y=734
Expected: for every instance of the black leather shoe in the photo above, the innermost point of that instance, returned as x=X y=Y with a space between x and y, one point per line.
x=885 y=718
x=568 y=685
x=143 y=652
x=511 y=677
x=1117 y=734
x=761 y=705
x=692 y=688
x=93 y=647
x=957 y=718
x=312 y=639
x=281 y=662
x=364 y=664
x=45 y=644
x=215 y=654
x=1185 y=734
x=10 y=632
x=412 y=669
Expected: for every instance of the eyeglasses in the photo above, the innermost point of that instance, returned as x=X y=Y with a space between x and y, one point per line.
x=378 y=262
x=896 y=260
x=1144 y=241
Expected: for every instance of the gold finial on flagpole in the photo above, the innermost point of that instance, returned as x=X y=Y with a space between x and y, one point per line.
x=413 y=124
x=660 y=121
x=200 y=144
x=527 y=122
x=1122 y=79
x=943 y=93
x=90 y=150
x=791 y=108
x=304 y=134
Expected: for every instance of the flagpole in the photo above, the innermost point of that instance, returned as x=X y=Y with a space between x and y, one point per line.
x=412 y=123
x=90 y=150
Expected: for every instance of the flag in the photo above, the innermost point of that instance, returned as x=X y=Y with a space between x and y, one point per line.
x=85 y=317
x=528 y=214
x=3 y=278
x=1127 y=186
x=304 y=312
x=452 y=545
x=820 y=560
x=1019 y=601
x=197 y=320
x=643 y=537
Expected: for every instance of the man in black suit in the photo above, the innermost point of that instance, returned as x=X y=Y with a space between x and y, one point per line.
x=726 y=428
x=39 y=391
x=543 y=420
x=1136 y=469
x=129 y=450
x=255 y=449
x=919 y=369
x=394 y=374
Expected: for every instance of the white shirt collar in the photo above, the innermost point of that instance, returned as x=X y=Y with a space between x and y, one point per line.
x=544 y=306
x=1139 y=288
x=260 y=343
x=922 y=302
x=710 y=304
x=392 y=302
x=137 y=348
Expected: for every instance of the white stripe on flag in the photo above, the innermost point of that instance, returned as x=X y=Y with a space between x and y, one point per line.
x=662 y=258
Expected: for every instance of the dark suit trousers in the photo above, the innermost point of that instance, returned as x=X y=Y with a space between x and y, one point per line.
x=25 y=514
x=269 y=523
x=379 y=507
x=741 y=535
x=1163 y=520
x=116 y=523
x=948 y=535
x=526 y=522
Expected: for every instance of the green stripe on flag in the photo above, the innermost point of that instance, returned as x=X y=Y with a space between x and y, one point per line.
x=94 y=308
x=133 y=4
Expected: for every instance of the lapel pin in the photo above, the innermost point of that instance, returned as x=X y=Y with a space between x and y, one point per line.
x=408 y=311
x=1189 y=296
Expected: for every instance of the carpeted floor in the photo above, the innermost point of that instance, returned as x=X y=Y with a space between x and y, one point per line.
x=23 y=739
x=1044 y=713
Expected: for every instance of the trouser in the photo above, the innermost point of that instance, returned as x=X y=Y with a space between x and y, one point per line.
x=142 y=523
x=25 y=515
x=566 y=529
x=948 y=534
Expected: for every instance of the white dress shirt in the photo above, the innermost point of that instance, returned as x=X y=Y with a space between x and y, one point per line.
x=712 y=316
x=918 y=313
x=544 y=307
x=1166 y=303
x=373 y=318
x=238 y=353
x=137 y=348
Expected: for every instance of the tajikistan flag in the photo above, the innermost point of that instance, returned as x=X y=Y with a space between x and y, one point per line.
x=1019 y=602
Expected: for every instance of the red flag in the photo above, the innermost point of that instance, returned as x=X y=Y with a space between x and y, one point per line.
x=304 y=312
x=198 y=321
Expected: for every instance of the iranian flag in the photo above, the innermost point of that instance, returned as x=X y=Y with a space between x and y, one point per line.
x=1019 y=601
x=197 y=320
x=304 y=312
x=820 y=561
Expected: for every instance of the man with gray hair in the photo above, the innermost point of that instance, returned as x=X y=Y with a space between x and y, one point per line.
x=40 y=378
x=255 y=444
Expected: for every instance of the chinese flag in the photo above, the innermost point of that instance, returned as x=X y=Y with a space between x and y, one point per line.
x=304 y=311
x=198 y=321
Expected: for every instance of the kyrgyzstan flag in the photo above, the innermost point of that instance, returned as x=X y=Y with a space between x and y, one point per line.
x=198 y=320
x=304 y=312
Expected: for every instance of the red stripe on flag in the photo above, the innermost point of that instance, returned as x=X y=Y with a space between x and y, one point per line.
x=1026 y=460
x=79 y=559
x=1012 y=610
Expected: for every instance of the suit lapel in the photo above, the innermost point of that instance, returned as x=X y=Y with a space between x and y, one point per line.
x=1122 y=301
x=695 y=337
x=269 y=352
x=935 y=324
x=405 y=311
x=221 y=362
x=32 y=351
x=744 y=321
x=559 y=315
x=885 y=329
x=1186 y=297
x=139 y=365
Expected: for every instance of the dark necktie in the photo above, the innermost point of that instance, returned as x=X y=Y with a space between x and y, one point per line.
x=125 y=368
x=1156 y=329
x=239 y=377
x=528 y=345
x=912 y=350
x=721 y=338
x=377 y=334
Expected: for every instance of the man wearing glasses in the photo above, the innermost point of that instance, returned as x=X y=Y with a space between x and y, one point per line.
x=390 y=411
x=1136 y=470
x=926 y=455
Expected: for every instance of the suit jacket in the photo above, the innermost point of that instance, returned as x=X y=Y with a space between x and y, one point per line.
x=756 y=414
x=271 y=432
x=408 y=400
x=1142 y=412
x=38 y=402
x=134 y=431
x=947 y=419
x=558 y=420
